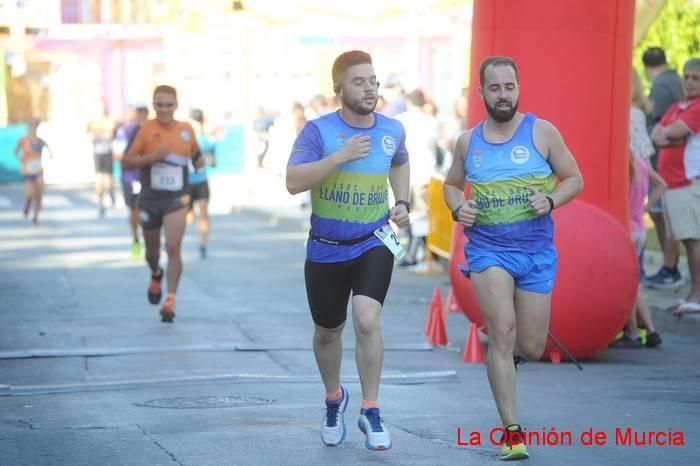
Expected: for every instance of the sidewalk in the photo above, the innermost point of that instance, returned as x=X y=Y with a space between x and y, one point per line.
x=661 y=300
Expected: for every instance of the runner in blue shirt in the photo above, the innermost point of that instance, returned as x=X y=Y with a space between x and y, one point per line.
x=345 y=158
x=199 y=182
x=510 y=161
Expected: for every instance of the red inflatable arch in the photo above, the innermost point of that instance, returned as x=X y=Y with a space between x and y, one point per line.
x=574 y=60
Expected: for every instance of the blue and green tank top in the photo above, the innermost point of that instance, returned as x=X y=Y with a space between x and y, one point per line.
x=499 y=175
x=353 y=200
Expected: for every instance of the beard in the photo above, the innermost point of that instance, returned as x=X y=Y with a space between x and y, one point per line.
x=502 y=116
x=359 y=106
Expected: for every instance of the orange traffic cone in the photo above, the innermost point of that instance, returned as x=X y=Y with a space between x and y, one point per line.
x=434 y=307
x=555 y=356
x=472 y=349
x=452 y=306
x=438 y=335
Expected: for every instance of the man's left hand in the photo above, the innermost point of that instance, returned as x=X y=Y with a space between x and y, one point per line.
x=539 y=203
x=399 y=215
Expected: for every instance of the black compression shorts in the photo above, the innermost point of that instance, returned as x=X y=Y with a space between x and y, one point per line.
x=328 y=285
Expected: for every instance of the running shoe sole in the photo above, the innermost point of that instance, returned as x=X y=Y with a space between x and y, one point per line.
x=516 y=452
x=377 y=448
x=167 y=315
x=674 y=285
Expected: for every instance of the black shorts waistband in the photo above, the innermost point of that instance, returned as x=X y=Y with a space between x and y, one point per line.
x=339 y=242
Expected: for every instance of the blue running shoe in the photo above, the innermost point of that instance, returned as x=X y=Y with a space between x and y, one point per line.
x=333 y=428
x=372 y=425
x=665 y=279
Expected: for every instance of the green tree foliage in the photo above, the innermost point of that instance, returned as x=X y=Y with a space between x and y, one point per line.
x=677 y=31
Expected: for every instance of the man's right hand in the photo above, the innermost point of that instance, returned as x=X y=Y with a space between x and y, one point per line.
x=161 y=152
x=355 y=148
x=467 y=214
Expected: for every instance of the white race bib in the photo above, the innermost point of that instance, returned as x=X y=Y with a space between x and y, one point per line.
x=33 y=166
x=388 y=237
x=166 y=177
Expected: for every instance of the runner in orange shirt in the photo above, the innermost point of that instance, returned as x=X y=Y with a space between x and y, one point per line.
x=162 y=150
x=29 y=150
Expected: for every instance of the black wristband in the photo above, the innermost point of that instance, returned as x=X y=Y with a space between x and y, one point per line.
x=551 y=203
x=196 y=156
x=404 y=203
x=455 y=212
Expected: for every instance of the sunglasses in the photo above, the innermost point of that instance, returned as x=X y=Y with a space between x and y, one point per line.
x=163 y=105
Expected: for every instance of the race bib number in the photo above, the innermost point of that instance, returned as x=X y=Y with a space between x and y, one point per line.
x=165 y=177
x=388 y=237
x=33 y=167
x=136 y=187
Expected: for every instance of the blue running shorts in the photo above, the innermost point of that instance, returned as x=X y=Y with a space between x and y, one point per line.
x=531 y=272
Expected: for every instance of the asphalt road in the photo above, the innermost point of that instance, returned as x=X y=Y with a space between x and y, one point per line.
x=89 y=375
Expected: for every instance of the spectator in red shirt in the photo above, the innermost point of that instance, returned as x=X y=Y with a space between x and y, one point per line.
x=678 y=136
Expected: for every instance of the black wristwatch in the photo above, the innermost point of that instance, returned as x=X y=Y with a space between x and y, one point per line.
x=404 y=203
x=551 y=203
x=455 y=212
